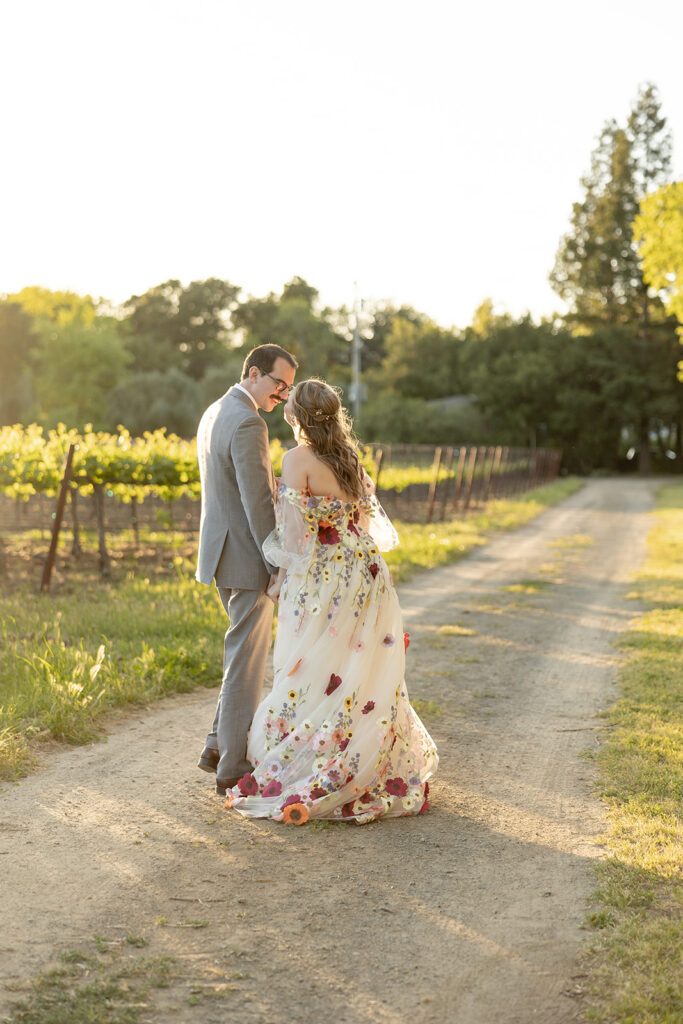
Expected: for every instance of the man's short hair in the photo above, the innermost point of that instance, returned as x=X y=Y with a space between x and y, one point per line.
x=263 y=358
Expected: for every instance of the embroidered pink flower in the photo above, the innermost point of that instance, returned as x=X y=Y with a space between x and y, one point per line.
x=337 y=735
x=374 y=569
x=327 y=533
x=368 y=707
x=295 y=799
x=396 y=787
x=334 y=682
x=406 y=641
x=247 y=785
x=358 y=646
x=272 y=788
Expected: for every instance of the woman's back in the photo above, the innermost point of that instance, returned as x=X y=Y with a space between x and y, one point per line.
x=303 y=470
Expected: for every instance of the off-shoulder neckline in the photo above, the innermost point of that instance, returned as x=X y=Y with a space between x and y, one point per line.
x=326 y=497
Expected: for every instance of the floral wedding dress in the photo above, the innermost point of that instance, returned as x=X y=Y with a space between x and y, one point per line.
x=336 y=738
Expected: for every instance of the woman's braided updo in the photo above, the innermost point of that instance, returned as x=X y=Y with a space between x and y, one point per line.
x=326 y=427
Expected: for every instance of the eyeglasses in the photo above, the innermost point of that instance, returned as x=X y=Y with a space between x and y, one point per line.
x=280 y=385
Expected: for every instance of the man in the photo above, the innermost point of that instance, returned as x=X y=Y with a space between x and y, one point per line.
x=237 y=515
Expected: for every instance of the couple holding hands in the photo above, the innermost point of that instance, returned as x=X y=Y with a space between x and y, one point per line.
x=336 y=738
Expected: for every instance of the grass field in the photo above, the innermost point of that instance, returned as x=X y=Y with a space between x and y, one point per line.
x=635 y=961
x=90 y=646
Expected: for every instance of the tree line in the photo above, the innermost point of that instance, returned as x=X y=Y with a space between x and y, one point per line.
x=600 y=382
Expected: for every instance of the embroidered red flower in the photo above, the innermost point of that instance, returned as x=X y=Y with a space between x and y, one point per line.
x=374 y=569
x=272 y=788
x=406 y=641
x=347 y=810
x=366 y=798
x=327 y=533
x=247 y=785
x=368 y=707
x=396 y=787
x=318 y=792
x=344 y=743
x=334 y=682
x=425 y=807
x=295 y=799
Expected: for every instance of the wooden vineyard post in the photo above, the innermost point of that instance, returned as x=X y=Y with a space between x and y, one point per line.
x=447 y=481
x=495 y=480
x=59 y=514
x=433 y=485
x=460 y=472
x=379 y=459
x=104 y=560
x=471 y=463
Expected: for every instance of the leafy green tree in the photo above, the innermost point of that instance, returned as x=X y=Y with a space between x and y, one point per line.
x=158 y=398
x=79 y=365
x=421 y=359
x=294 y=321
x=185 y=327
x=658 y=230
x=597 y=271
x=57 y=307
x=17 y=346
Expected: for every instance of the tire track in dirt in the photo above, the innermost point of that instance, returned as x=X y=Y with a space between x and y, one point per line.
x=471 y=913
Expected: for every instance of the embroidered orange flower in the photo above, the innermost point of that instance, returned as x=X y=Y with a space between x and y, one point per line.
x=228 y=801
x=295 y=814
x=295 y=667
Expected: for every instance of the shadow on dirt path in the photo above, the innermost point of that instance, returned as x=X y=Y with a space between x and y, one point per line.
x=471 y=913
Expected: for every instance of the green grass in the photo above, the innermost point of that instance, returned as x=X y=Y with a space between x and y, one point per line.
x=93 y=989
x=68 y=658
x=635 y=970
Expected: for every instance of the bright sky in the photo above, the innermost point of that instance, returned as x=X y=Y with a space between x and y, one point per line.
x=430 y=151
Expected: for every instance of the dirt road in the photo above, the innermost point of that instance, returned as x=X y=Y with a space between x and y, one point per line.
x=471 y=913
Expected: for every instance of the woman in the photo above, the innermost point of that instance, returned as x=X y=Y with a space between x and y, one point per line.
x=336 y=738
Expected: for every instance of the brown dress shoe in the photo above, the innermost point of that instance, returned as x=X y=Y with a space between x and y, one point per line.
x=208 y=762
x=228 y=784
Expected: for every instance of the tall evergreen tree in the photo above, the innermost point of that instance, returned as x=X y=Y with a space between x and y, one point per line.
x=597 y=271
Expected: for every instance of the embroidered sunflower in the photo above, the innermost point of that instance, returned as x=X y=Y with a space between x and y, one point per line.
x=360 y=554
x=292 y=694
x=338 y=557
x=348 y=702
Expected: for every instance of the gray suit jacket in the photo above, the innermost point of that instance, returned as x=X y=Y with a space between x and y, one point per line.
x=237 y=494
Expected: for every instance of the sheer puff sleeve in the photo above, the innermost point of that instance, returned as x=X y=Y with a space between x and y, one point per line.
x=291 y=544
x=377 y=523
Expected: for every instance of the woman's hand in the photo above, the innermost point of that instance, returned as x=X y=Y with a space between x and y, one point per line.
x=275 y=586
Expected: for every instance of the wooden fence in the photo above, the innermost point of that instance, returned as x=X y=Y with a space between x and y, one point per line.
x=456 y=480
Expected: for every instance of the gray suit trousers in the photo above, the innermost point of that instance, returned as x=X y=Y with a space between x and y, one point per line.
x=247 y=642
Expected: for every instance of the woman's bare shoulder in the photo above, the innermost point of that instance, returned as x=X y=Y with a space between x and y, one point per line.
x=295 y=466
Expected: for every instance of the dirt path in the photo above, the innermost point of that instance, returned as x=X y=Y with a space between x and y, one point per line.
x=471 y=913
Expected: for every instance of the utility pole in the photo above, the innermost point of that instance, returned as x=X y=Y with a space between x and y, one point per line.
x=355 y=357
